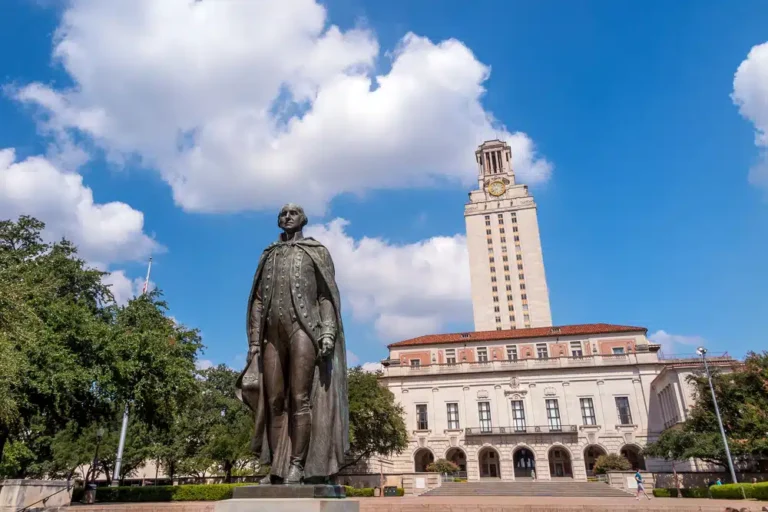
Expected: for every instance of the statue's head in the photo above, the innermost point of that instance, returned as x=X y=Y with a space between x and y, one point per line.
x=292 y=218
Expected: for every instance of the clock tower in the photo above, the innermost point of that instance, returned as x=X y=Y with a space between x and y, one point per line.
x=506 y=265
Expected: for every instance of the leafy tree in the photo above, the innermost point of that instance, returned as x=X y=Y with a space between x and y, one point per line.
x=743 y=399
x=442 y=466
x=609 y=462
x=376 y=424
x=228 y=423
x=70 y=358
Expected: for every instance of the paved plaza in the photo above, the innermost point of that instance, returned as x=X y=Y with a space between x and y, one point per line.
x=480 y=504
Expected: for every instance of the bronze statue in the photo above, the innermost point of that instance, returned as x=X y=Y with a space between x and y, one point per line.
x=295 y=378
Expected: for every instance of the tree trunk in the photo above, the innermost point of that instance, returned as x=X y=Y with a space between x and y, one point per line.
x=4 y=433
x=228 y=472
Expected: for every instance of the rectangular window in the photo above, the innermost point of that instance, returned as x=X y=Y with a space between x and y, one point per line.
x=520 y=267
x=503 y=248
x=487 y=223
x=622 y=410
x=490 y=241
x=421 y=417
x=514 y=228
x=512 y=319
x=517 y=238
x=484 y=411
x=576 y=349
x=541 y=350
x=505 y=257
x=496 y=309
x=415 y=362
x=618 y=350
x=518 y=416
x=490 y=259
x=495 y=298
x=493 y=269
x=519 y=257
x=450 y=356
x=506 y=277
x=524 y=297
x=501 y=230
x=522 y=286
x=482 y=353
x=509 y=287
x=503 y=239
x=511 y=349
x=493 y=279
x=494 y=289
x=509 y=296
x=521 y=275
x=553 y=415
x=506 y=268
x=587 y=411
x=526 y=317
x=453 y=416
x=487 y=231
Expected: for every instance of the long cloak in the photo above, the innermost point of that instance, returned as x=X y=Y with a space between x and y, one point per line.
x=329 y=441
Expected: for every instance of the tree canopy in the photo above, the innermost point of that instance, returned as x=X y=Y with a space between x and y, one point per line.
x=71 y=359
x=742 y=396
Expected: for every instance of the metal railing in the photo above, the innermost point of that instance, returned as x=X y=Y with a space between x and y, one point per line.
x=518 y=430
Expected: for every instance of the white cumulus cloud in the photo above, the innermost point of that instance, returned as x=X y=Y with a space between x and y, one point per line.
x=124 y=288
x=750 y=94
x=676 y=344
x=405 y=289
x=249 y=104
x=105 y=233
x=371 y=367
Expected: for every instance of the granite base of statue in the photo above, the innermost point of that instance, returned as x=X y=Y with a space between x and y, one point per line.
x=295 y=377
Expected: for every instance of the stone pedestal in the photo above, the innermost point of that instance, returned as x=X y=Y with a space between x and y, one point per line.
x=289 y=492
x=288 y=498
x=35 y=494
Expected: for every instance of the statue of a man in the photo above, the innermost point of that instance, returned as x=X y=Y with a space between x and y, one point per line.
x=295 y=378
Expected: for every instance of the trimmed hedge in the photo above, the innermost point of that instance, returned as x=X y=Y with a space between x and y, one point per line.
x=192 y=492
x=366 y=492
x=692 y=492
x=733 y=491
x=354 y=492
x=195 y=492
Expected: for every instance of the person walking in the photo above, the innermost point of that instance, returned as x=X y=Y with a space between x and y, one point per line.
x=640 y=488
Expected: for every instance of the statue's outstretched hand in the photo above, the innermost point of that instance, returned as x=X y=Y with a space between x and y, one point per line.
x=326 y=345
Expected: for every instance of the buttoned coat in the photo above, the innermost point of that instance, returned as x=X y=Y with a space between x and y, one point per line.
x=329 y=440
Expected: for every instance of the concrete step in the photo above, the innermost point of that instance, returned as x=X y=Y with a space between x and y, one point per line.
x=560 y=488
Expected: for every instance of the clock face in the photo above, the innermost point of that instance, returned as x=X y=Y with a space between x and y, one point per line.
x=496 y=188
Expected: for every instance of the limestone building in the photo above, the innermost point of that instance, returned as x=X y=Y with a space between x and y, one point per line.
x=503 y=404
x=519 y=398
x=506 y=265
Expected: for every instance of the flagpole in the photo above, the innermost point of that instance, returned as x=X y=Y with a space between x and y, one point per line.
x=124 y=428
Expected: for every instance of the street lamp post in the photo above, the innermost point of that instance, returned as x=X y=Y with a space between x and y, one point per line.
x=703 y=353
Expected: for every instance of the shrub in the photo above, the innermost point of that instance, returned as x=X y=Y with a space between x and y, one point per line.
x=210 y=492
x=400 y=491
x=612 y=461
x=731 y=491
x=353 y=492
x=442 y=466
x=692 y=492
x=760 y=491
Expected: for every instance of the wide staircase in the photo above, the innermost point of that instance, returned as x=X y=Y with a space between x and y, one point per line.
x=567 y=489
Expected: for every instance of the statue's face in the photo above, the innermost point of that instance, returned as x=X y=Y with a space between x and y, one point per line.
x=290 y=219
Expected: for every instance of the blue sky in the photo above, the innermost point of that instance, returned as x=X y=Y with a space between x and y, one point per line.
x=195 y=122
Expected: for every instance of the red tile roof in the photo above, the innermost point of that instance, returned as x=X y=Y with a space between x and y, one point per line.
x=535 y=332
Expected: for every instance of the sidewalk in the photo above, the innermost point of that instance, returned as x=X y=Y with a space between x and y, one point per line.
x=476 y=504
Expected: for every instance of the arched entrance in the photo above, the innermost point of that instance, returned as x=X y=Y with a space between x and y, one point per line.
x=591 y=453
x=490 y=464
x=525 y=463
x=458 y=457
x=559 y=462
x=421 y=459
x=634 y=456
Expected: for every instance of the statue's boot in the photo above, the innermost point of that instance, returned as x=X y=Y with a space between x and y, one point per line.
x=300 y=433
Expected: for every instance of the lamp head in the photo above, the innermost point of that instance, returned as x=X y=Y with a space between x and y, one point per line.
x=701 y=351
